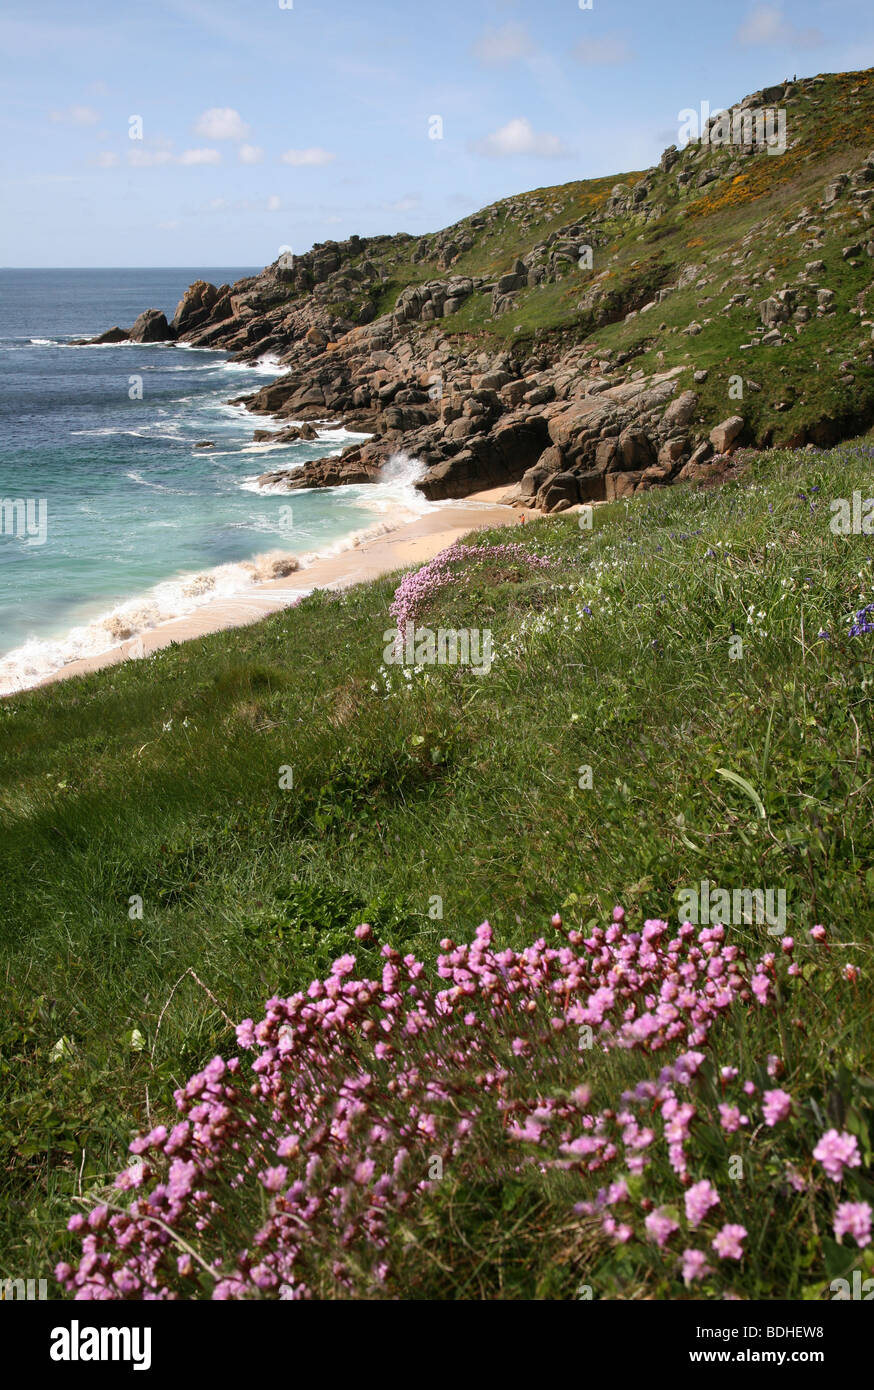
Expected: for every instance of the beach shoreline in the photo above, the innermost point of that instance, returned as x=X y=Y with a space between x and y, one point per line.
x=395 y=548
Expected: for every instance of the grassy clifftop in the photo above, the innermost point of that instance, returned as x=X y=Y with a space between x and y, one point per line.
x=150 y=828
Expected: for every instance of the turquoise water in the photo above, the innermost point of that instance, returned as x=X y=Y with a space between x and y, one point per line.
x=124 y=512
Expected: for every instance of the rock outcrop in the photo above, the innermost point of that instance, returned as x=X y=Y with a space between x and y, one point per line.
x=201 y=303
x=151 y=327
x=479 y=349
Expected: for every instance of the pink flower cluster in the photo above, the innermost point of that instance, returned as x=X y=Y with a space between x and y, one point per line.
x=287 y=1177
x=417 y=587
x=836 y=1151
x=854 y=1219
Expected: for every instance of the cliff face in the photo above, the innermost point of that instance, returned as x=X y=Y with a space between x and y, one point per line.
x=594 y=339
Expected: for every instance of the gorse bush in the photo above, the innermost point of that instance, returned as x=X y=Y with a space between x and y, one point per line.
x=311 y=1170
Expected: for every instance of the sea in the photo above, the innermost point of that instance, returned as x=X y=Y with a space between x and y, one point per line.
x=111 y=520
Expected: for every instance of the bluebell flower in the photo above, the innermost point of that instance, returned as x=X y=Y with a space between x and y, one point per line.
x=863 y=624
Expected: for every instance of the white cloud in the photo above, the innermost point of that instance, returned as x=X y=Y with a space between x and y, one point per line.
x=200 y=157
x=152 y=159
x=518 y=137
x=609 y=52
x=271 y=204
x=148 y=159
x=408 y=203
x=497 y=47
x=76 y=115
x=107 y=160
x=251 y=154
x=311 y=157
x=221 y=123
x=766 y=24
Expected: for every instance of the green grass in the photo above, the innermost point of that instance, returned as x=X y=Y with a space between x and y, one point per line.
x=160 y=780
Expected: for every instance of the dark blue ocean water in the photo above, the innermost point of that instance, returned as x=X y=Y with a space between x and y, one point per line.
x=120 y=500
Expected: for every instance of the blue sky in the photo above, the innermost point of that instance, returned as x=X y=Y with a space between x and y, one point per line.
x=269 y=123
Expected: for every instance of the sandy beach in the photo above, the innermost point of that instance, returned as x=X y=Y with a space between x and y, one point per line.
x=410 y=543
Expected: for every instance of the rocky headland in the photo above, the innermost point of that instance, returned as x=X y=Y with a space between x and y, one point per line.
x=584 y=342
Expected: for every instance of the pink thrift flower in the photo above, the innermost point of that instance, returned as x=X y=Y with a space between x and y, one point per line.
x=761 y=987
x=776 y=1106
x=273 y=1178
x=181 y=1179
x=622 y=1233
x=126 y=1281
x=818 y=933
x=263 y=1277
x=728 y=1242
x=853 y=1219
x=836 y=1152
x=363 y=931
x=660 y=1226
x=730 y=1118
x=695 y=1265
x=699 y=1199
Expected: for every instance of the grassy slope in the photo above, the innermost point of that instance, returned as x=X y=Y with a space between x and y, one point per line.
x=161 y=779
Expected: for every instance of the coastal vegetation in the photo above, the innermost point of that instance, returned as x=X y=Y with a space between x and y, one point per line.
x=678 y=693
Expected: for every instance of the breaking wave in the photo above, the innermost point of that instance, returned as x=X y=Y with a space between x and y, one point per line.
x=38 y=658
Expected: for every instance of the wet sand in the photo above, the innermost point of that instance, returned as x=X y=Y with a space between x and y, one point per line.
x=410 y=543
